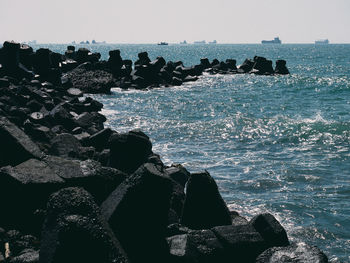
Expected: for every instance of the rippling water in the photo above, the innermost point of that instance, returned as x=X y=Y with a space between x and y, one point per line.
x=273 y=143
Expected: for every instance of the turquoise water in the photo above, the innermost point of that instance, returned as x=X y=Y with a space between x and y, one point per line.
x=279 y=144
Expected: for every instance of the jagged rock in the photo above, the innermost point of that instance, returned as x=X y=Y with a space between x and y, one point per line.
x=176 y=81
x=179 y=174
x=25 y=53
x=295 y=253
x=16 y=146
x=241 y=243
x=60 y=116
x=115 y=62
x=74 y=231
x=88 y=80
x=204 y=207
x=281 y=67
x=238 y=220
x=65 y=145
x=129 y=150
x=26 y=188
x=147 y=193
x=270 y=229
x=197 y=247
x=143 y=59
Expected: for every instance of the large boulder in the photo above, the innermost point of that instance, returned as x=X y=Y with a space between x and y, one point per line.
x=295 y=253
x=137 y=211
x=16 y=146
x=204 y=207
x=115 y=62
x=246 y=66
x=89 y=80
x=262 y=66
x=241 y=243
x=91 y=175
x=26 y=188
x=129 y=150
x=270 y=229
x=74 y=231
x=281 y=67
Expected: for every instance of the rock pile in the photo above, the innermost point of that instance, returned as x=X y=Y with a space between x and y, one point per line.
x=72 y=190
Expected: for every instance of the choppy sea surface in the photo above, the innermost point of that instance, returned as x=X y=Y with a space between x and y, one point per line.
x=278 y=144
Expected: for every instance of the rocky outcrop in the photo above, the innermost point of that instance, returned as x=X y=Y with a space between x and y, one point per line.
x=75 y=191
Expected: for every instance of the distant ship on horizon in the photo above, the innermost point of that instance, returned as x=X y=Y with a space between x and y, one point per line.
x=322 y=42
x=213 y=42
x=199 y=42
x=162 y=44
x=276 y=40
x=183 y=42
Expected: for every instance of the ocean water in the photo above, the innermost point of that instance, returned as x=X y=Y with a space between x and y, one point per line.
x=277 y=144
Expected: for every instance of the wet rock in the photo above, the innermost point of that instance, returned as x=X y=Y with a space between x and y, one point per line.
x=204 y=207
x=231 y=64
x=176 y=81
x=16 y=146
x=281 y=67
x=26 y=188
x=82 y=55
x=295 y=253
x=68 y=65
x=115 y=62
x=25 y=53
x=65 y=145
x=147 y=192
x=270 y=229
x=143 y=59
x=130 y=150
x=238 y=220
x=74 y=231
x=205 y=63
x=241 y=243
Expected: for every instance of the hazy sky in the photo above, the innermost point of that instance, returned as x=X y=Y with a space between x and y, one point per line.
x=150 y=21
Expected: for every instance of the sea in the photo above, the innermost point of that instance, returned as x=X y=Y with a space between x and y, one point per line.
x=275 y=144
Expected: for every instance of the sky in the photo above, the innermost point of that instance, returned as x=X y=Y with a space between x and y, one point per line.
x=152 y=21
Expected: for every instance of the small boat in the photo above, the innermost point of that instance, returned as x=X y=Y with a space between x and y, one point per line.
x=276 y=40
x=162 y=44
x=322 y=42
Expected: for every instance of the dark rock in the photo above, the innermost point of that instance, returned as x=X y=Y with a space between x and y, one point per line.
x=231 y=63
x=26 y=256
x=115 y=62
x=270 y=229
x=190 y=78
x=65 y=145
x=97 y=180
x=196 y=246
x=146 y=192
x=176 y=81
x=82 y=55
x=25 y=53
x=2 y=258
x=204 y=207
x=214 y=62
x=241 y=243
x=178 y=173
x=247 y=65
x=68 y=65
x=130 y=150
x=26 y=187
x=74 y=231
x=16 y=146
x=262 y=66
x=4 y=83
x=205 y=63
x=60 y=116
x=281 y=67
x=238 y=220
x=100 y=139
x=88 y=80
x=143 y=59
x=75 y=92
x=295 y=253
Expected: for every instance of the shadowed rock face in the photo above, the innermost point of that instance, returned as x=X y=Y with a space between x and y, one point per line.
x=137 y=211
x=74 y=231
x=204 y=207
x=16 y=146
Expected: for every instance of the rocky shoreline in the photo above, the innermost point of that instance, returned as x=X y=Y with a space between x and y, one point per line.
x=74 y=191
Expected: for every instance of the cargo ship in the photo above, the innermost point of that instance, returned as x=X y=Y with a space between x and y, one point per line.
x=276 y=40
x=322 y=42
